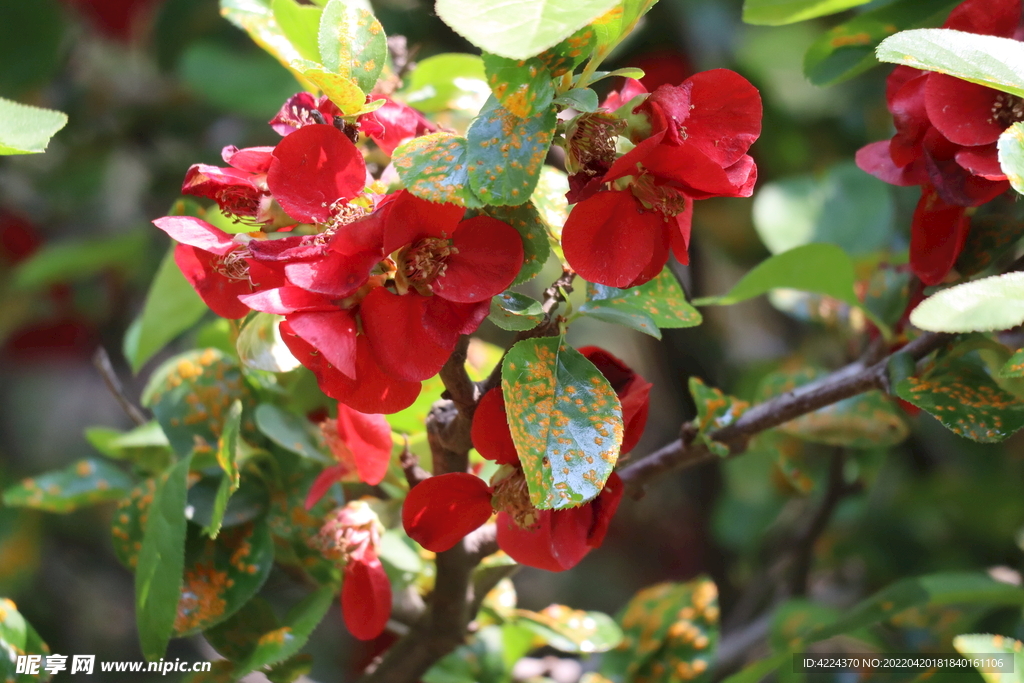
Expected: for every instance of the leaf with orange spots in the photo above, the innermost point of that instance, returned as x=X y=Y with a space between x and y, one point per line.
x=565 y=419
x=506 y=153
x=434 y=167
x=527 y=221
x=341 y=89
x=984 y=645
x=515 y=312
x=660 y=303
x=996 y=227
x=17 y=637
x=190 y=395
x=714 y=411
x=126 y=529
x=572 y=630
x=868 y=420
x=961 y=395
x=352 y=43
x=86 y=482
x=671 y=631
x=522 y=86
x=222 y=574
x=280 y=644
x=1015 y=366
x=236 y=636
x=145 y=447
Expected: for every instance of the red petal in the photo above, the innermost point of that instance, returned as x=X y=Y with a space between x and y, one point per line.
x=988 y=17
x=680 y=238
x=313 y=168
x=369 y=439
x=324 y=481
x=610 y=238
x=616 y=98
x=394 y=122
x=626 y=164
x=332 y=333
x=410 y=218
x=981 y=161
x=698 y=175
x=218 y=292
x=875 y=159
x=441 y=510
x=726 y=115
x=962 y=111
x=366 y=598
x=937 y=235
x=605 y=506
x=333 y=274
x=490 y=433
x=285 y=300
x=489 y=258
x=910 y=117
x=393 y=324
x=250 y=159
x=445 y=320
x=197 y=233
x=557 y=544
x=949 y=179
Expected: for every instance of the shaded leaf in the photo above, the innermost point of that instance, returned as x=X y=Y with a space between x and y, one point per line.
x=222 y=76
x=515 y=312
x=565 y=419
x=61 y=262
x=995 y=228
x=662 y=300
x=236 y=636
x=1011 y=155
x=227 y=458
x=434 y=167
x=85 y=482
x=572 y=630
x=17 y=637
x=1015 y=366
x=145 y=446
x=129 y=523
x=450 y=81
x=249 y=502
x=715 y=410
x=260 y=345
x=25 y=129
x=291 y=432
x=991 y=303
x=280 y=644
x=352 y=43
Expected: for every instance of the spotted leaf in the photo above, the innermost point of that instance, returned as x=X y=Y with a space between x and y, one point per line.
x=527 y=221
x=671 y=630
x=662 y=300
x=190 y=396
x=995 y=228
x=281 y=643
x=130 y=520
x=145 y=447
x=961 y=395
x=434 y=167
x=342 y=89
x=515 y=312
x=222 y=574
x=236 y=636
x=85 y=482
x=572 y=630
x=565 y=419
x=506 y=153
x=352 y=43
x=983 y=645
x=714 y=411
x=522 y=86
x=292 y=432
x=17 y=637
x=1015 y=366
x=868 y=420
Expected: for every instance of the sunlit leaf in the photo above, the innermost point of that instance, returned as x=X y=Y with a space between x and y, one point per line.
x=660 y=301
x=434 y=167
x=514 y=312
x=572 y=630
x=25 y=129
x=1011 y=155
x=352 y=43
x=260 y=345
x=983 y=646
x=779 y=12
x=300 y=24
x=991 y=303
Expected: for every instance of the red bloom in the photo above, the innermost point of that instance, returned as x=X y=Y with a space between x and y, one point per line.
x=700 y=132
x=393 y=123
x=240 y=190
x=302 y=109
x=362 y=445
x=946 y=130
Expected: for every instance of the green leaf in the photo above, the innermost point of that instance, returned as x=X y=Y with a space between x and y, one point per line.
x=256 y=18
x=300 y=24
x=222 y=575
x=995 y=228
x=434 y=167
x=221 y=75
x=227 y=458
x=451 y=81
x=523 y=87
x=398 y=551
x=161 y=561
x=506 y=153
x=17 y=637
x=621 y=314
x=779 y=12
x=661 y=301
x=991 y=303
x=715 y=410
x=171 y=307
x=572 y=630
x=260 y=346
x=987 y=60
x=580 y=99
x=145 y=446
x=821 y=268
x=291 y=432
x=250 y=501
x=1011 y=155
x=849 y=49
x=867 y=420
x=190 y=395
x=280 y=644
x=481 y=660
x=73 y=259
x=342 y=90
x=549 y=198
x=129 y=523
x=670 y=628
x=521 y=28
x=25 y=129
x=1015 y=366
x=985 y=645
x=962 y=396
x=352 y=43
x=85 y=482
x=565 y=419
x=515 y=312
x=845 y=207
x=236 y=636
x=528 y=223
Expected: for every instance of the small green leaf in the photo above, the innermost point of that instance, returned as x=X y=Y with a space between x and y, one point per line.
x=984 y=645
x=1015 y=366
x=849 y=49
x=986 y=60
x=129 y=524
x=528 y=223
x=779 y=12
x=172 y=306
x=280 y=644
x=18 y=638
x=523 y=87
x=25 y=129
x=1011 y=155
x=515 y=312
x=572 y=630
x=451 y=81
x=522 y=28
x=966 y=400
x=399 y=552
x=580 y=99
x=434 y=167
x=161 y=561
x=85 y=482
x=352 y=43
x=222 y=575
x=300 y=24
x=145 y=446
x=291 y=432
x=260 y=346
x=715 y=410
x=227 y=458
x=565 y=419
x=821 y=268
x=505 y=153
x=991 y=303
x=662 y=300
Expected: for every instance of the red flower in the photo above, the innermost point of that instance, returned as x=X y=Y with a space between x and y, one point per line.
x=302 y=109
x=700 y=132
x=362 y=445
x=240 y=190
x=393 y=123
x=946 y=130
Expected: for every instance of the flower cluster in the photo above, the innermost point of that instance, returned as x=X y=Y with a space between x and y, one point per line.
x=945 y=142
x=439 y=511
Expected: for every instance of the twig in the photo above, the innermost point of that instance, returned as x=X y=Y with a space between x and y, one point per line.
x=414 y=474
x=101 y=359
x=458 y=386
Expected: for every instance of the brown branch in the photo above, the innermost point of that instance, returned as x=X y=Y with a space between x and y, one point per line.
x=101 y=359
x=851 y=380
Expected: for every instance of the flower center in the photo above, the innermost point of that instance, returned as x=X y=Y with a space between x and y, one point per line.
x=590 y=143
x=243 y=204
x=1007 y=109
x=419 y=264
x=349 y=533
x=666 y=200
x=511 y=495
x=233 y=265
